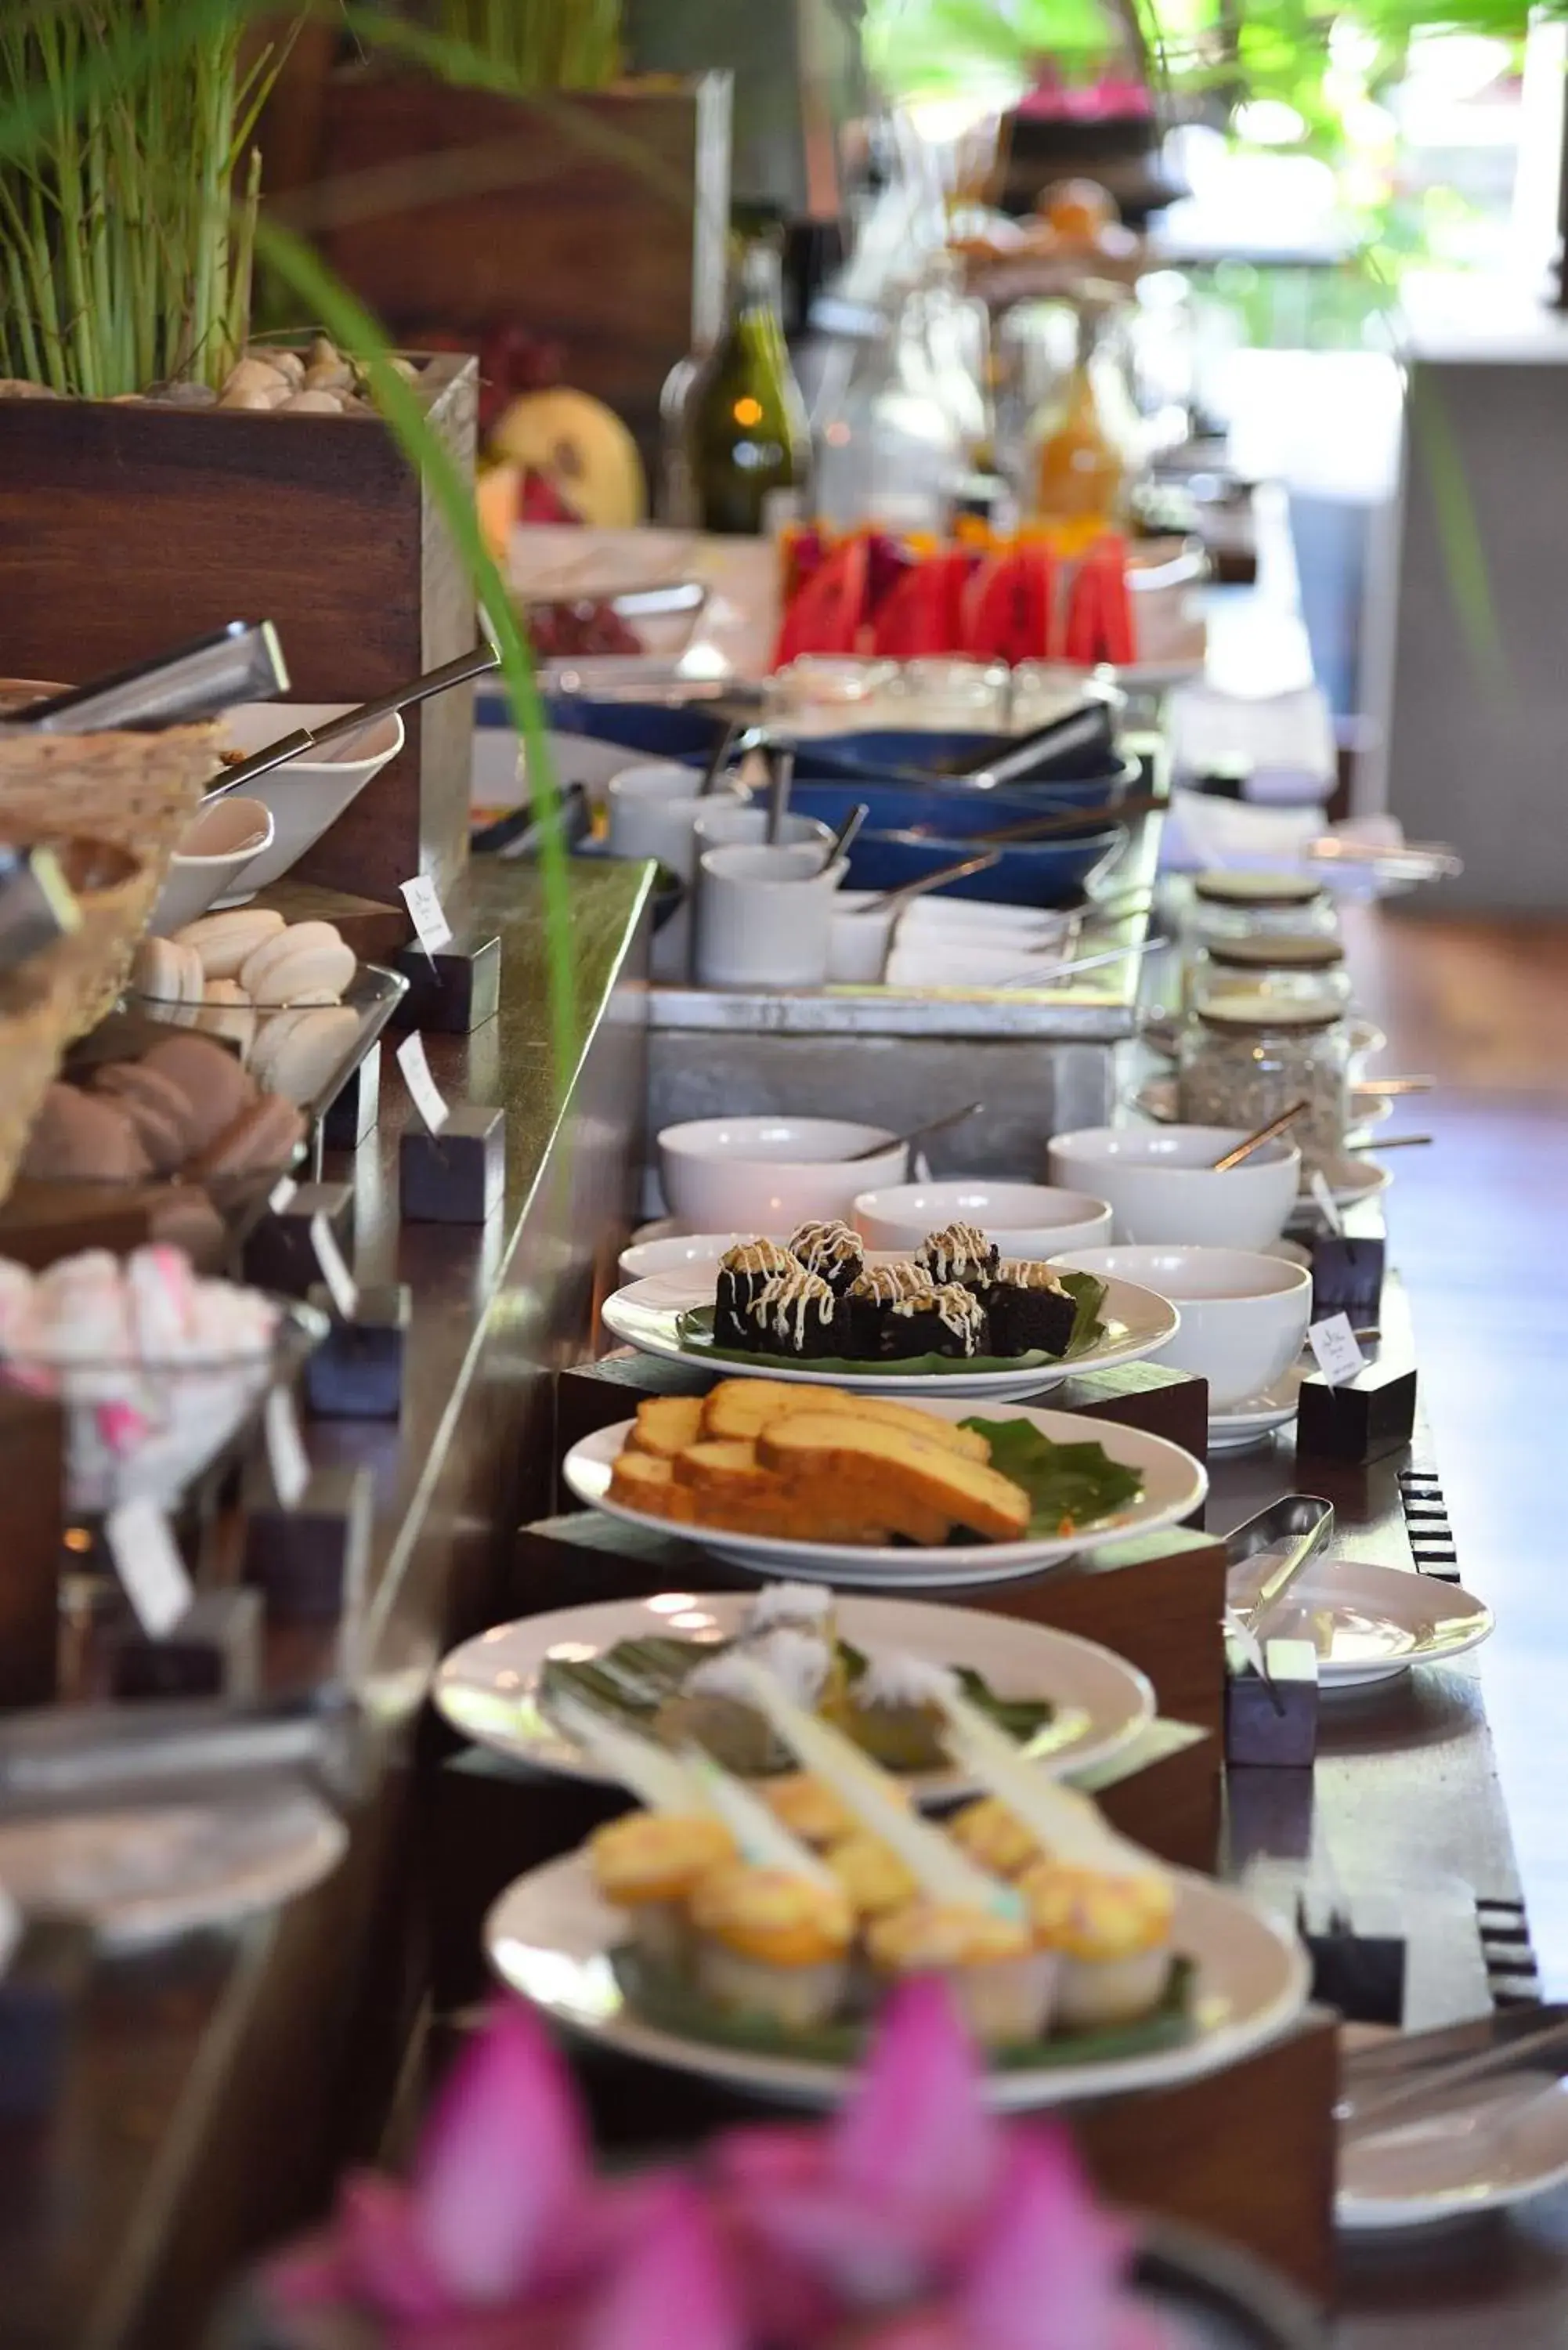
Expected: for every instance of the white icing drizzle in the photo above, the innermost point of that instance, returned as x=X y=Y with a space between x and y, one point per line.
x=893 y=1678
x=756 y=1257
x=823 y=1244
x=806 y=1605
x=958 y=1252
x=1029 y=1273
x=883 y=1284
x=954 y=1308
x=785 y=1302
x=799 y=1659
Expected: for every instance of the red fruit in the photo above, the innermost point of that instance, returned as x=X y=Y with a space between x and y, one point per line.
x=825 y=615
x=1006 y=607
x=540 y=500
x=922 y=614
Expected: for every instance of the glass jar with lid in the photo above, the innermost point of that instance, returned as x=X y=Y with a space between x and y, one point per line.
x=1248 y=1055
x=1229 y=905
x=1304 y=967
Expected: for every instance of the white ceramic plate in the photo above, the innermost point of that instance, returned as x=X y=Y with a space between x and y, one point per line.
x=489 y=1688
x=1482 y=2149
x=1241 y=1424
x=1174 y=1486
x=1354 y=1178
x=550 y=1936
x=646 y=1314
x=1369 y=1623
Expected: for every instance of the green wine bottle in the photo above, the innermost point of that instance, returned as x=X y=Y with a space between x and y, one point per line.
x=746 y=430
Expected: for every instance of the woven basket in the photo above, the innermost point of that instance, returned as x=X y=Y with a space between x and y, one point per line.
x=135 y=791
x=34 y=1033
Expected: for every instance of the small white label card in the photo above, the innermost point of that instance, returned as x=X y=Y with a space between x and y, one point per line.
x=427 y=1098
x=1337 y=1348
x=286 y=1453
x=282 y=1192
x=426 y=913
x=148 y=1562
x=334 y=1272
x=1317 y=1184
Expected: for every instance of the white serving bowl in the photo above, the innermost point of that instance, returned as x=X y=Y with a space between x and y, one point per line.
x=769 y=1174
x=858 y=949
x=216 y=850
x=1243 y=1315
x=1161 y=1182
x=680 y=1251
x=309 y=796
x=1029 y=1220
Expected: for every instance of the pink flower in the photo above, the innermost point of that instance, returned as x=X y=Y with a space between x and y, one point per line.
x=673 y=2287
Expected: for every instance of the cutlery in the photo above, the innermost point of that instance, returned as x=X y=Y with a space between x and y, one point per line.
x=1077 y=819
x=477 y=664
x=1391 y=1142
x=721 y=759
x=1294 y=1554
x=1412 y=2053
x=1037 y=753
x=1368 y=2108
x=845 y=838
x=1240 y=1150
x=1392 y=1085
x=938 y=881
x=780 y=781
x=1087 y=963
x=240 y=663
x=61 y=1756
x=916 y=1133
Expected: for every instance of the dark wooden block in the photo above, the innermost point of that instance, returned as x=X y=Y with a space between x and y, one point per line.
x=353 y=1115
x=214 y=1650
x=280 y=1255
x=1157 y=1601
x=1247 y=2154
x=319 y=522
x=310 y=1563
x=1273 y=1723
x=39 y=1992
x=1362 y=1976
x=458 y=1176
x=1174 y=1806
x=32 y=1477
x=1365 y=1419
x=513 y=211
x=1347 y=1277
x=357 y=1372
x=454 y=990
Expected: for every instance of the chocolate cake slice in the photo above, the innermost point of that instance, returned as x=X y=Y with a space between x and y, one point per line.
x=868 y=1335
x=743 y=1271
x=1030 y=1311
x=833 y=1252
x=943 y=1320
x=794 y=1312
x=959 y=1253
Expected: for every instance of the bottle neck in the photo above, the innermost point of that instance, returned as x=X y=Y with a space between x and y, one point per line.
x=757 y=286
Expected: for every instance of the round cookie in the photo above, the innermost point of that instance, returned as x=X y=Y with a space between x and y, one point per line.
x=227 y=1012
x=159 y=1111
x=78 y=1139
x=215 y=1087
x=297 y=1052
x=168 y=972
x=225 y=941
x=306 y=956
x=261 y=1140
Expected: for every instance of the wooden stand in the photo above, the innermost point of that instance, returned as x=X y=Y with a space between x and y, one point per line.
x=595 y=221
x=316 y=523
x=32 y=1475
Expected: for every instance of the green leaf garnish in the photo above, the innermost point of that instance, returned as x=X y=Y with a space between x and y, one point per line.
x=1067 y=1485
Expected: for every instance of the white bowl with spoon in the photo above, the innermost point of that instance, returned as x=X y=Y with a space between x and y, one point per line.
x=1243 y=1315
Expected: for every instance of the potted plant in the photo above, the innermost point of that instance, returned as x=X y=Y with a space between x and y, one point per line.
x=157 y=474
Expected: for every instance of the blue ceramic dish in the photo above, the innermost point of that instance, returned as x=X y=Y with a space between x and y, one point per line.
x=911 y=832
x=1093 y=778
x=685 y=731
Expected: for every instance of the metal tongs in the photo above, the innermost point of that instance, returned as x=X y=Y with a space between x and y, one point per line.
x=1297 y=1528
x=1409 y=860
x=60 y=1756
x=242 y=661
x=477 y=664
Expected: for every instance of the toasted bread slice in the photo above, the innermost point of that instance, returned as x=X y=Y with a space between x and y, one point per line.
x=791 y=1514
x=641 y=1480
x=723 y=1465
x=743 y=1407
x=666 y=1425
x=925 y=1425
x=904 y=1471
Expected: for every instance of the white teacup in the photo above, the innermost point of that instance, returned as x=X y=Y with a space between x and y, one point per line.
x=1243 y=1315
x=764 y=917
x=738 y=827
x=653 y=810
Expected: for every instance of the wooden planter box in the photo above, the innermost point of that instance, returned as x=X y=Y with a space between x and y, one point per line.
x=597 y=221
x=124 y=528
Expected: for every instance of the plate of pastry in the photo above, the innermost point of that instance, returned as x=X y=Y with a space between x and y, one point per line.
x=671 y=1665
x=702 y=1931
x=828 y=1485
x=956 y=1318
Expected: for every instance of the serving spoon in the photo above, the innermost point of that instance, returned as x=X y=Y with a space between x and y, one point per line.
x=1276 y=1125
x=478 y=663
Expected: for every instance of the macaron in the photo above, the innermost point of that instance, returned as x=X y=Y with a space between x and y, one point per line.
x=209 y=1076
x=168 y=972
x=226 y=941
x=160 y=1111
x=262 y=1137
x=307 y=957
x=297 y=1052
x=227 y=1012
x=78 y=1138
